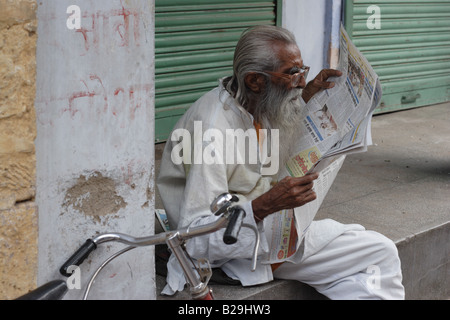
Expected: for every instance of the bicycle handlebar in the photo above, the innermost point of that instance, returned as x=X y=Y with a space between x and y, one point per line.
x=229 y=217
x=234 y=225
x=232 y=219
x=53 y=290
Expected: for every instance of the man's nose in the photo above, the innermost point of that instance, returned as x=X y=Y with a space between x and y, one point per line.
x=302 y=83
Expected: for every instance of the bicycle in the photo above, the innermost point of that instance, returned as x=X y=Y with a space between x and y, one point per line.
x=230 y=217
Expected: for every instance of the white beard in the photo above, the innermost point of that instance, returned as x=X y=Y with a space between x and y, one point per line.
x=284 y=116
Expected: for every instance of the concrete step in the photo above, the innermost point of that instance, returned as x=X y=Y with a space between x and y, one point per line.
x=400 y=187
x=275 y=290
x=426 y=264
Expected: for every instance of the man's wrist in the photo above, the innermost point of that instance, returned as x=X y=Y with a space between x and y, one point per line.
x=257 y=219
x=259 y=209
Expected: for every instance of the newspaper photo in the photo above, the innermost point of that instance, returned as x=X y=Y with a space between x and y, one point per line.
x=337 y=122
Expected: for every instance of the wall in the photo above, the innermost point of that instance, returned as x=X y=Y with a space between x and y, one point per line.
x=95 y=133
x=18 y=217
x=315 y=24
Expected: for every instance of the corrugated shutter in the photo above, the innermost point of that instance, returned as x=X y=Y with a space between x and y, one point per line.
x=194 y=45
x=410 y=52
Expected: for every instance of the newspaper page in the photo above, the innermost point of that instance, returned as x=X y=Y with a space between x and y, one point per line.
x=305 y=214
x=282 y=236
x=337 y=122
x=338 y=119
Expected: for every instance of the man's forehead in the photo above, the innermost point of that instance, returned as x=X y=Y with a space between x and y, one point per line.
x=289 y=55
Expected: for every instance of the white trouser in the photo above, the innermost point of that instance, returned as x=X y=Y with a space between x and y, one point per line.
x=358 y=264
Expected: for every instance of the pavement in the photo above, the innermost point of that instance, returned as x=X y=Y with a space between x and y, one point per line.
x=400 y=187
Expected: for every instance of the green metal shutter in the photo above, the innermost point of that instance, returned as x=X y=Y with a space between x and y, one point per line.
x=410 y=52
x=194 y=43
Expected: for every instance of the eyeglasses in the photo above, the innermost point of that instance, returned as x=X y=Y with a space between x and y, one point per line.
x=294 y=79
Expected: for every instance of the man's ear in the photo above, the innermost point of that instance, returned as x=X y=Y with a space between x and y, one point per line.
x=254 y=81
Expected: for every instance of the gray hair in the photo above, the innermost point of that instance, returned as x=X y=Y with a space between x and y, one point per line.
x=254 y=53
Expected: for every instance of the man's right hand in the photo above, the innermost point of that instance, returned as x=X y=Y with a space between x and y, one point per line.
x=286 y=194
x=320 y=82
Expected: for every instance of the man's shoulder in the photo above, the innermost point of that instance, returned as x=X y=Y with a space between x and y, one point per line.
x=214 y=107
x=212 y=97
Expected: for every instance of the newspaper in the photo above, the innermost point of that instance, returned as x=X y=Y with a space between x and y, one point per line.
x=162 y=219
x=279 y=227
x=336 y=122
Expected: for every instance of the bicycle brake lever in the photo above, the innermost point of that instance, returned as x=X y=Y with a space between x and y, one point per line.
x=256 y=247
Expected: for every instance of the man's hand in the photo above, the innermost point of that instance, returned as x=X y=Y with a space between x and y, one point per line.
x=287 y=194
x=320 y=82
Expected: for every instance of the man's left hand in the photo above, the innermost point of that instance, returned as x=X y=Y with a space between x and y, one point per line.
x=319 y=82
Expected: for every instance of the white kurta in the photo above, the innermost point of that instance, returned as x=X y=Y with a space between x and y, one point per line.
x=187 y=191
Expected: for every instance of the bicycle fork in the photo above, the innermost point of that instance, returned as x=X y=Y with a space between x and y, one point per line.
x=198 y=280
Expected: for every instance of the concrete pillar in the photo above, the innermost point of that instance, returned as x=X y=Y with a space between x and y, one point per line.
x=95 y=139
x=306 y=19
